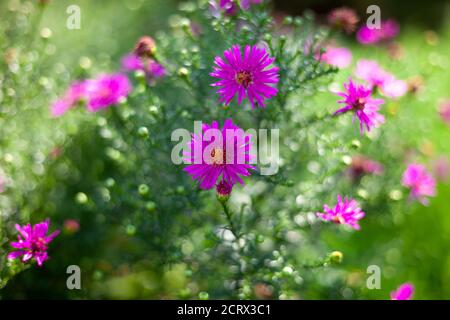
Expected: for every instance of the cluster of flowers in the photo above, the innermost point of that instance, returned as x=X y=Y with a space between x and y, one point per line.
x=249 y=73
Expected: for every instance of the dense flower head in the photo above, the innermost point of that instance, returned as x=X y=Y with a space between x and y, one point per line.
x=106 y=90
x=388 y=30
x=376 y=77
x=403 y=292
x=344 y=19
x=151 y=68
x=214 y=159
x=334 y=56
x=420 y=181
x=345 y=211
x=358 y=100
x=145 y=47
x=362 y=165
x=32 y=242
x=247 y=74
x=444 y=111
x=73 y=95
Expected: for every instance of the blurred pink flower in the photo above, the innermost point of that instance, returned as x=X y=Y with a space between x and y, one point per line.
x=376 y=77
x=343 y=18
x=345 y=211
x=338 y=57
x=75 y=93
x=444 y=111
x=420 y=181
x=152 y=69
x=441 y=169
x=403 y=292
x=2 y=184
x=71 y=226
x=106 y=90
x=210 y=161
x=389 y=29
x=358 y=100
x=245 y=4
x=362 y=165
x=33 y=242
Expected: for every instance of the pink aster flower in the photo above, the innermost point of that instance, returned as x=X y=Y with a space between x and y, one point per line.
x=404 y=292
x=394 y=88
x=248 y=75
x=344 y=212
x=420 y=181
x=106 y=90
x=358 y=99
x=388 y=30
x=74 y=94
x=33 y=242
x=338 y=57
x=217 y=157
x=444 y=111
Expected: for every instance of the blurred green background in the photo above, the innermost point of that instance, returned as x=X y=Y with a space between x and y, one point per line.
x=409 y=243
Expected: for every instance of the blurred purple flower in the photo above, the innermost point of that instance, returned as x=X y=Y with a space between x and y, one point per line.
x=444 y=111
x=441 y=169
x=362 y=165
x=420 y=181
x=151 y=68
x=358 y=99
x=388 y=30
x=106 y=90
x=345 y=211
x=376 y=77
x=248 y=75
x=404 y=292
x=75 y=93
x=209 y=160
x=33 y=242
x=246 y=4
x=338 y=57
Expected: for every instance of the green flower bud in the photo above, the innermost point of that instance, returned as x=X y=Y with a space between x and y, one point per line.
x=143 y=189
x=336 y=257
x=143 y=132
x=150 y=206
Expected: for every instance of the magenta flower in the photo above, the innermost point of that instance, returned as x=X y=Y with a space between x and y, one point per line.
x=106 y=90
x=345 y=212
x=444 y=111
x=151 y=68
x=404 y=292
x=72 y=96
x=217 y=158
x=358 y=99
x=338 y=57
x=33 y=242
x=388 y=30
x=376 y=77
x=420 y=181
x=246 y=75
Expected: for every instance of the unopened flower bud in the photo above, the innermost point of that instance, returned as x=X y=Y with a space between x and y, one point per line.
x=150 y=206
x=336 y=257
x=223 y=191
x=143 y=132
x=145 y=47
x=143 y=189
